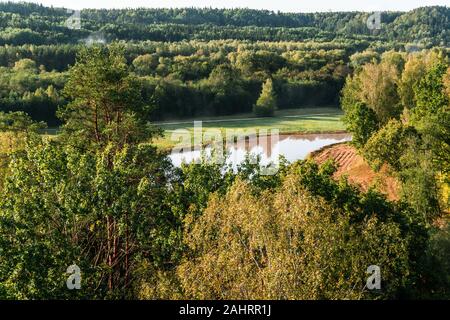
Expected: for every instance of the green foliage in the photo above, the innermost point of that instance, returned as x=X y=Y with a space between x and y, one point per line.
x=106 y=101
x=419 y=88
x=16 y=130
x=18 y=122
x=186 y=79
x=144 y=65
x=430 y=94
x=417 y=147
x=307 y=55
x=96 y=197
x=418 y=175
x=427 y=25
x=274 y=246
x=388 y=144
x=402 y=148
x=359 y=59
x=267 y=101
x=361 y=121
x=100 y=210
x=415 y=68
x=378 y=89
x=200 y=181
x=25 y=65
x=438 y=259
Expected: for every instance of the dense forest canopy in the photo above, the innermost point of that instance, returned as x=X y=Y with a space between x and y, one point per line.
x=183 y=56
x=21 y=22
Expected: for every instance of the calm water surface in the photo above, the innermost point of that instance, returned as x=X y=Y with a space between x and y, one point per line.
x=292 y=147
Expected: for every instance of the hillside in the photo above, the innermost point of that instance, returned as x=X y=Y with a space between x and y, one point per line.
x=31 y=23
x=356 y=169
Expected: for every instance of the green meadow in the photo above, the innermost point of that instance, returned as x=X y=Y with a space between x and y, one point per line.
x=291 y=121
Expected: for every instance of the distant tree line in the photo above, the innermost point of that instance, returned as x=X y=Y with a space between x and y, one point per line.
x=32 y=23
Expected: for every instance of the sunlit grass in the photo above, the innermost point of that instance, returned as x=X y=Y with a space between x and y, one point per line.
x=318 y=120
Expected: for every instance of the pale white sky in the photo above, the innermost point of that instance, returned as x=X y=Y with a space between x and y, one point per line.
x=282 y=5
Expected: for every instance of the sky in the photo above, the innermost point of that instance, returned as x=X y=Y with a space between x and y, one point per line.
x=278 y=5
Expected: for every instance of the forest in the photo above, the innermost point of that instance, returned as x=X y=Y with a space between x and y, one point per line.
x=31 y=23
x=103 y=196
x=183 y=65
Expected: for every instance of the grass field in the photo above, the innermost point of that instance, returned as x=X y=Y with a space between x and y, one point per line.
x=307 y=120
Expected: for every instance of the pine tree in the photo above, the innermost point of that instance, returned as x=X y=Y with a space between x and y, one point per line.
x=267 y=102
